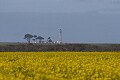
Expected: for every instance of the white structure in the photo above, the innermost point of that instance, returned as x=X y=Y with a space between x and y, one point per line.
x=60 y=37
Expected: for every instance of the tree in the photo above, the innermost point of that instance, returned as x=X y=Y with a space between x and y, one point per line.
x=28 y=37
x=40 y=39
x=35 y=40
x=35 y=36
x=49 y=40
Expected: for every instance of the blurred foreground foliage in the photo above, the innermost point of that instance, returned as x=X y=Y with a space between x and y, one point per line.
x=59 y=65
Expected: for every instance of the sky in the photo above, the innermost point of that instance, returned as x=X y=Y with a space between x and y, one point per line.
x=81 y=21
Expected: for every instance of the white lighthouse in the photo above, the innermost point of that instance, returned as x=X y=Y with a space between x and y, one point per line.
x=60 y=36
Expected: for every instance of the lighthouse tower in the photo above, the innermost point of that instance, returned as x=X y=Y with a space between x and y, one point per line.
x=60 y=36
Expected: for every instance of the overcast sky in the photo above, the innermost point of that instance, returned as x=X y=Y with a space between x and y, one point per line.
x=82 y=21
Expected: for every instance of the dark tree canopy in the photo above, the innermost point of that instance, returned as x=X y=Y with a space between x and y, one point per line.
x=28 y=37
x=40 y=38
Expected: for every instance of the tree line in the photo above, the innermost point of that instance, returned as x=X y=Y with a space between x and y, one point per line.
x=36 y=38
x=59 y=47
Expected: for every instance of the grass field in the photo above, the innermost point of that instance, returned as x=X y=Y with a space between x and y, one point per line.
x=59 y=65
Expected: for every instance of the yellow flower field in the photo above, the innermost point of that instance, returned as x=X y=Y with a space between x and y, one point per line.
x=59 y=65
